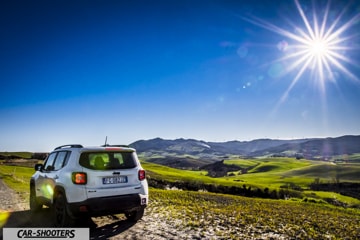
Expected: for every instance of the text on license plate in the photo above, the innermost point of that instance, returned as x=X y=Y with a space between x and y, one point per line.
x=115 y=180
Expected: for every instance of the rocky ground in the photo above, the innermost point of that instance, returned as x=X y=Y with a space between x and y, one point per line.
x=10 y=200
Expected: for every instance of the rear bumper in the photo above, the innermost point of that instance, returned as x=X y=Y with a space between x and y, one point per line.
x=108 y=205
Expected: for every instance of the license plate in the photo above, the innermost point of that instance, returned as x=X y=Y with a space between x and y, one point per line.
x=115 y=180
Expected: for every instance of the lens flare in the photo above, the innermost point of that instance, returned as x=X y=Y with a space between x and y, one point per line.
x=318 y=45
x=47 y=190
x=4 y=216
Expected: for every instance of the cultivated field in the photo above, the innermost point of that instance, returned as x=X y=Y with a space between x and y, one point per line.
x=197 y=214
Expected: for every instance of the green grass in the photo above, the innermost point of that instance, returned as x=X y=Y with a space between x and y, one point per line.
x=271 y=164
x=17 y=154
x=17 y=178
x=352 y=202
x=261 y=180
x=329 y=172
x=275 y=172
x=351 y=158
x=172 y=175
x=241 y=162
x=271 y=173
x=234 y=217
x=280 y=165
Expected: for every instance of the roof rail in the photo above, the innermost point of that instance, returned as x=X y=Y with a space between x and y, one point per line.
x=69 y=146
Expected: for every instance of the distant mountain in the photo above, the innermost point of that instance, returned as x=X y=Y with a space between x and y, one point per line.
x=207 y=152
x=323 y=148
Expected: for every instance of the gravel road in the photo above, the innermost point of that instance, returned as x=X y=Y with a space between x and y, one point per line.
x=9 y=200
x=151 y=226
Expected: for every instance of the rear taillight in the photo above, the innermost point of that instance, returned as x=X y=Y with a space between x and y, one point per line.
x=79 y=177
x=142 y=175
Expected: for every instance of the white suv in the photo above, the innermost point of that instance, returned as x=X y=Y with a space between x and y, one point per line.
x=79 y=181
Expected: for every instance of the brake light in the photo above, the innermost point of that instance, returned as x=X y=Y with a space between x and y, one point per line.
x=142 y=175
x=112 y=148
x=79 y=178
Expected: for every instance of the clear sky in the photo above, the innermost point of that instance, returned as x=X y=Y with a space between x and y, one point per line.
x=78 y=71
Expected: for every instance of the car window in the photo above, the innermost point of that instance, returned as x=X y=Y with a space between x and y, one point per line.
x=60 y=160
x=108 y=160
x=50 y=161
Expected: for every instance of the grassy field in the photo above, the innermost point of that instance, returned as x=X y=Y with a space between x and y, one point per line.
x=17 y=178
x=268 y=172
x=271 y=173
x=274 y=172
x=14 y=176
x=233 y=216
x=17 y=154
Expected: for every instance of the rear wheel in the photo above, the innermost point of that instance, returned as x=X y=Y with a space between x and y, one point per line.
x=35 y=206
x=135 y=216
x=62 y=218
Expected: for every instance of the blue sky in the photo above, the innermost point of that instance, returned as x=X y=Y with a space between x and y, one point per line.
x=78 y=71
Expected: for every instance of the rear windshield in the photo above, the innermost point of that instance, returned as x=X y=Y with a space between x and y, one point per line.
x=107 y=160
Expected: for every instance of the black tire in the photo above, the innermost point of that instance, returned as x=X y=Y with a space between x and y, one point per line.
x=135 y=216
x=35 y=206
x=61 y=216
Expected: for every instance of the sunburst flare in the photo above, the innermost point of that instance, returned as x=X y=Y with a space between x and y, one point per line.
x=318 y=46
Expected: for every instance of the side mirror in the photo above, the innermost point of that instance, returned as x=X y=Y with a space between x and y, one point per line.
x=38 y=167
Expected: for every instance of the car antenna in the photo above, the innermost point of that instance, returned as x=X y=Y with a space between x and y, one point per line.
x=106 y=141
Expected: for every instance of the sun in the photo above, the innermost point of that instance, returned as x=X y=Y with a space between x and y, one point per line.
x=317 y=44
x=318 y=48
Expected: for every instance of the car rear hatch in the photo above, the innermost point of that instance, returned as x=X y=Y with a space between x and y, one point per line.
x=111 y=173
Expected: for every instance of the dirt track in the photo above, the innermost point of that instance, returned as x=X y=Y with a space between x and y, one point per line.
x=152 y=226
x=108 y=227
